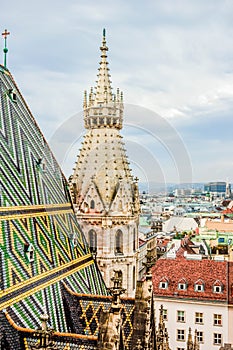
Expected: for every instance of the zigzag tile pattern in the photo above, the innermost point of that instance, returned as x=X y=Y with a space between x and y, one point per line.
x=85 y=311
x=40 y=240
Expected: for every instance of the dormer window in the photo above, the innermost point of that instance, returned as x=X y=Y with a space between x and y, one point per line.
x=12 y=95
x=217 y=287
x=75 y=242
x=29 y=252
x=182 y=284
x=199 y=286
x=41 y=164
x=163 y=284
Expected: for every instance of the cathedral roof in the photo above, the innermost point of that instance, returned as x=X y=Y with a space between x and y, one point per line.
x=83 y=312
x=41 y=243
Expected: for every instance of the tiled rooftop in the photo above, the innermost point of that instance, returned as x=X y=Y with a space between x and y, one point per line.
x=191 y=272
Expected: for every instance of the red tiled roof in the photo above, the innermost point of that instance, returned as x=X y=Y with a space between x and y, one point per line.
x=227 y=211
x=185 y=246
x=141 y=242
x=191 y=271
x=162 y=242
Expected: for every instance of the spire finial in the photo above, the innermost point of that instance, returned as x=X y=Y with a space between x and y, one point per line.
x=103 y=88
x=103 y=109
x=104 y=46
x=5 y=50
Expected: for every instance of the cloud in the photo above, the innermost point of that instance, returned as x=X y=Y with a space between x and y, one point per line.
x=173 y=57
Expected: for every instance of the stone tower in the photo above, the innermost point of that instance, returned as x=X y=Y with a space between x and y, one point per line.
x=105 y=194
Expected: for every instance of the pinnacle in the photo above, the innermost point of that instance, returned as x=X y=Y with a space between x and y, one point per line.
x=104 y=109
x=103 y=87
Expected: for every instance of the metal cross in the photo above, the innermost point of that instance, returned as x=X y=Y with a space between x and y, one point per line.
x=5 y=50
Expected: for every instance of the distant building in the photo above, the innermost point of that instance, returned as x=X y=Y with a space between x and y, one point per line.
x=196 y=293
x=216 y=188
x=161 y=245
x=179 y=223
x=228 y=190
x=182 y=192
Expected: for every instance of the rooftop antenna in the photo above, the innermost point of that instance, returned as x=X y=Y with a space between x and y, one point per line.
x=5 y=50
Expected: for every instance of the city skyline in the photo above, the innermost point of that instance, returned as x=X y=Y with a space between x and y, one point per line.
x=172 y=60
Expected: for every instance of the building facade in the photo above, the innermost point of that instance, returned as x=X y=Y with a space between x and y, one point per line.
x=195 y=293
x=105 y=194
x=217 y=188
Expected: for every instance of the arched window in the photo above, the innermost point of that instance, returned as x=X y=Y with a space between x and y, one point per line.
x=92 y=205
x=134 y=239
x=92 y=241
x=119 y=242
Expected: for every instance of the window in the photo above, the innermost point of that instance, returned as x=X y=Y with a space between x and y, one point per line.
x=181 y=334
x=31 y=255
x=200 y=337
x=119 y=277
x=199 y=317
x=165 y=314
x=119 y=242
x=180 y=316
x=134 y=239
x=92 y=205
x=182 y=286
x=217 y=339
x=199 y=287
x=29 y=252
x=41 y=164
x=217 y=320
x=134 y=277
x=217 y=289
x=12 y=95
x=92 y=241
x=75 y=241
x=163 y=285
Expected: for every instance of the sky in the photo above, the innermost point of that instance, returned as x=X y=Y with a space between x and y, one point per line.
x=172 y=59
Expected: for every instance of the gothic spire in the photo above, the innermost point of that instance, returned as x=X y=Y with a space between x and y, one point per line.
x=103 y=88
x=190 y=340
x=103 y=108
